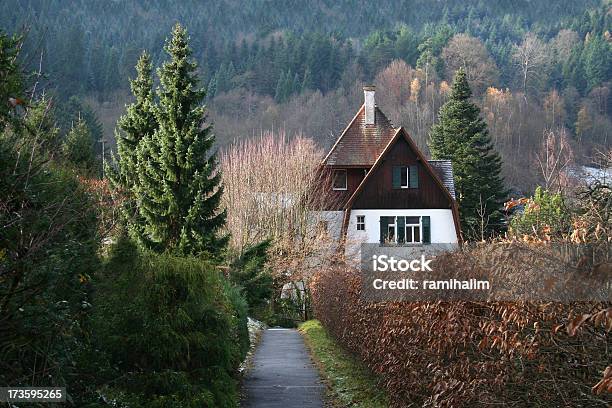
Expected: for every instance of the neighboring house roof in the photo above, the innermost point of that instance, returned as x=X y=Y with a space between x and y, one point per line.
x=361 y=144
x=444 y=170
x=591 y=175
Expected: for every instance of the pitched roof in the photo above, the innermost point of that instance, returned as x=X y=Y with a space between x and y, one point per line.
x=445 y=165
x=361 y=144
x=444 y=170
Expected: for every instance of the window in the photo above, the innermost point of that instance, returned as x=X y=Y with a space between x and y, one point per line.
x=405 y=230
x=405 y=177
x=339 y=182
x=361 y=223
x=413 y=230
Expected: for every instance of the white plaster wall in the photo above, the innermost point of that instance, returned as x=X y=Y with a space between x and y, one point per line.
x=334 y=222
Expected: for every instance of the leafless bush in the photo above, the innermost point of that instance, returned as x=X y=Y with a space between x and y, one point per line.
x=272 y=183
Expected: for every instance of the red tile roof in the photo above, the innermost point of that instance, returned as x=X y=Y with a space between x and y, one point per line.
x=361 y=144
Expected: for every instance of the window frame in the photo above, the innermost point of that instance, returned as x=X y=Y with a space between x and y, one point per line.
x=335 y=172
x=360 y=223
x=411 y=227
x=405 y=177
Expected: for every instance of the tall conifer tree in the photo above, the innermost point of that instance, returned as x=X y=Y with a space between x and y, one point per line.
x=462 y=137
x=180 y=191
x=138 y=123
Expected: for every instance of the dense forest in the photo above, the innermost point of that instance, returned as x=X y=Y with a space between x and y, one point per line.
x=536 y=67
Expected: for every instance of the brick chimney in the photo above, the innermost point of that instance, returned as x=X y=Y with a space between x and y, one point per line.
x=370 y=104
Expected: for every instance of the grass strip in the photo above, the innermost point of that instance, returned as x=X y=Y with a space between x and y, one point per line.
x=350 y=382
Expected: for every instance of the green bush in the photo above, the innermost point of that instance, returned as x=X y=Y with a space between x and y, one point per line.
x=172 y=328
x=48 y=245
x=545 y=213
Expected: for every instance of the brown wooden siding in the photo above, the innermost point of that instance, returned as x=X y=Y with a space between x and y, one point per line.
x=378 y=192
x=354 y=176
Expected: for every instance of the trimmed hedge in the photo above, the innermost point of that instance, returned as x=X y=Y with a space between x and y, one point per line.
x=460 y=354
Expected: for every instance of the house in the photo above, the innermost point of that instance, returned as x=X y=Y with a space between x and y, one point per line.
x=383 y=190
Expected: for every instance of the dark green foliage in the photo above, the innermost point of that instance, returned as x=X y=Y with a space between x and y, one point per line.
x=462 y=136
x=78 y=149
x=38 y=130
x=74 y=110
x=179 y=185
x=161 y=330
x=249 y=272
x=171 y=327
x=48 y=250
x=597 y=56
x=251 y=46
x=138 y=122
x=430 y=51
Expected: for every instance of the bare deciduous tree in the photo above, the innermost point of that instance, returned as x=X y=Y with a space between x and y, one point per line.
x=393 y=83
x=271 y=186
x=554 y=158
x=470 y=53
x=563 y=43
x=554 y=106
x=531 y=56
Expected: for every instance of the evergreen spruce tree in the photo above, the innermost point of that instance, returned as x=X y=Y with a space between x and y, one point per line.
x=138 y=122
x=462 y=137
x=78 y=148
x=179 y=184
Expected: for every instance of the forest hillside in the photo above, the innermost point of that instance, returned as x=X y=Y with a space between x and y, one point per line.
x=539 y=69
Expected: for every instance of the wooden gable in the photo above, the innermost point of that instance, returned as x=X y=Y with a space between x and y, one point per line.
x=377 y=191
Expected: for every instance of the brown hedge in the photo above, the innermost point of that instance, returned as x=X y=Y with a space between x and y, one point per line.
x=458 y=354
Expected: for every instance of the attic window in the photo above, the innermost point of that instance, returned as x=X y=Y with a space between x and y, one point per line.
x=405 y=176
x=339 y=182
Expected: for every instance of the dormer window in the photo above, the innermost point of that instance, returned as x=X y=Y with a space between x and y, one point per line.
x=339 y=179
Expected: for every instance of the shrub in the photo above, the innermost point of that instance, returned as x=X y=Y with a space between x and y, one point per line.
x=544 y=214
x=172 y=328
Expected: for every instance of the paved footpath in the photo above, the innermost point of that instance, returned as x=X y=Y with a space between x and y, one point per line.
x=282 y=375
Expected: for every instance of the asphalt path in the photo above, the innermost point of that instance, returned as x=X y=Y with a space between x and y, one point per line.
x=282 y=374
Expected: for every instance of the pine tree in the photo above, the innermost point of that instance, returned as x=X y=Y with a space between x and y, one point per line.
x=78 y=148
x=307 y=81
x=279 y=94
x=179 y=184
x=138 y=123
x=462 y=137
